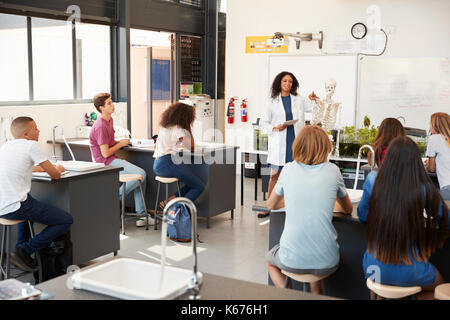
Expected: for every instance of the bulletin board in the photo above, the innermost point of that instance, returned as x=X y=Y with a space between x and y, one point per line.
x=413 y=88
x=313 y=71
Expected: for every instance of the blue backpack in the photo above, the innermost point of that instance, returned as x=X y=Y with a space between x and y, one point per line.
x=179 y=224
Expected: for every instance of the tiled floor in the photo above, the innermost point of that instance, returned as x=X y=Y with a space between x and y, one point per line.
x=231 y=248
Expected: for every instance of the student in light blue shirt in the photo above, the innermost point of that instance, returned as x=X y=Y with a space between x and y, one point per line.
x=308 y=188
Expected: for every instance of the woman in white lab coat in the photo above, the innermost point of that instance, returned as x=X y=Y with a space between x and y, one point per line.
x=284 y=104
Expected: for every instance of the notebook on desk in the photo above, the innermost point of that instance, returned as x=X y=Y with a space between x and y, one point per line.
x=45 y=174
x=80 y=165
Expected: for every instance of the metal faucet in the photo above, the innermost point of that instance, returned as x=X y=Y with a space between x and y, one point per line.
x=53 y=143
x=403 y=118
x=194 y=284
x=372 y=162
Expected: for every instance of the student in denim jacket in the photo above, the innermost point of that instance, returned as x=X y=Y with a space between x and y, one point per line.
x=388 y=130
x=407 y=221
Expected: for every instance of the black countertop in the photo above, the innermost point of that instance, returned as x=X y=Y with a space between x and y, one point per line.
x=213 y=288
x=200 y=150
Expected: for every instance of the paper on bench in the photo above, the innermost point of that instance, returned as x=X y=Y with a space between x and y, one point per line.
x=45 y=174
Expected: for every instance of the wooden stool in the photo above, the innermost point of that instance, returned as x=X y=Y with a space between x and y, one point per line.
x=392 y=292
x=303 y=278
x=124 y=178
x=442 y=291
x=166 y=181
x=6 y=249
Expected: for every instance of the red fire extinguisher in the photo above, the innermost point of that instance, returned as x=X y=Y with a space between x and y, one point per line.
x=244 y=110
x=230 y=110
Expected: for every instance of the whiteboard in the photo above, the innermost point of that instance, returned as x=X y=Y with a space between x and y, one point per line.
x=413 y=88
x=312 y=72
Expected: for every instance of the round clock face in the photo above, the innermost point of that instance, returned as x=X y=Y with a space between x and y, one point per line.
x=359 y=30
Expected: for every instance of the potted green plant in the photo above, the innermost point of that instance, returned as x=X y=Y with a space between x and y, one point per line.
x=351 y=139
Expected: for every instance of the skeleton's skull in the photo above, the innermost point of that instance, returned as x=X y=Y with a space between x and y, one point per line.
x=330 y=86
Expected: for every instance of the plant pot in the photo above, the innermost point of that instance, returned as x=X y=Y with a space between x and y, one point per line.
x=349 y=149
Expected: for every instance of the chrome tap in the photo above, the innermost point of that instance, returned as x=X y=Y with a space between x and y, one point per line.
x=53 y=143
x=194 y=284
x=372 y=162
x=403 y=118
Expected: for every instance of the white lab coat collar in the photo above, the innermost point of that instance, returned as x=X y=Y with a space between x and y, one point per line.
x=274 y=115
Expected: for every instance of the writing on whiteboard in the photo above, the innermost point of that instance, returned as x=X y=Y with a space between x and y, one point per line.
x=444 y=83
x=401 y=92
x=413 y=88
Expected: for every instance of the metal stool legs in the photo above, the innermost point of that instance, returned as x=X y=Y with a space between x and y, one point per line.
x=288 y=279
x=6 y=252
x=5 y=269
x=2 y=252
x=167 y=197
x=124 y=184
x=156 y=206
x=286 y=282
x=37 y=254
x=145 y=206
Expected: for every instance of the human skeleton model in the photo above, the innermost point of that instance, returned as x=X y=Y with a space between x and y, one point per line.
x=328 y=112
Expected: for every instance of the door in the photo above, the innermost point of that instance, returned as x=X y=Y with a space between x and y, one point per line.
x=152 y=68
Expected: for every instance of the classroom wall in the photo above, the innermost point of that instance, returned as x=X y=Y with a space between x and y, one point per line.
x=69 y=117
x=418 y=28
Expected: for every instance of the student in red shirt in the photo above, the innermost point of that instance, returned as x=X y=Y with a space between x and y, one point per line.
x=104 y=146
x=389 y=129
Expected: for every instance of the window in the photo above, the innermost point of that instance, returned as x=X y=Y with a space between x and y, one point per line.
x=195 y=3
x=44 y=70
x=13 y=58
x=222 y=6
x=93 y=59
x=52 y=59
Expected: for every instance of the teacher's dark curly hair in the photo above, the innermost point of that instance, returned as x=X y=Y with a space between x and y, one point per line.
x=276 y=84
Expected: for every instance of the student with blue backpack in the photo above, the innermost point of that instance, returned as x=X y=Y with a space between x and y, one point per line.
x=176 y=132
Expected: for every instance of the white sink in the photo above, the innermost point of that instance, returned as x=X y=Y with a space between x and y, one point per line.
x=132 y=279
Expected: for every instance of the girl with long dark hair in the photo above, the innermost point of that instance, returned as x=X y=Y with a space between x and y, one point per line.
x=407 y=221
x=389 y=129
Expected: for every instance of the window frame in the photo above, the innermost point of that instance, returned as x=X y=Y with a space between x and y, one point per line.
x=178 y=3
x=75 y=91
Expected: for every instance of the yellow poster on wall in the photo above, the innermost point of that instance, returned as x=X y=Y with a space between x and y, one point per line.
x=263 y=44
